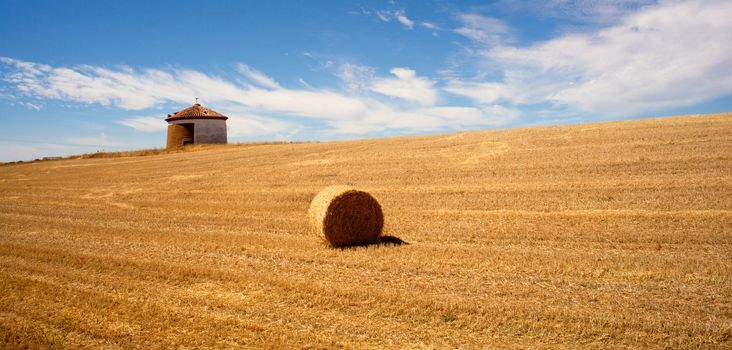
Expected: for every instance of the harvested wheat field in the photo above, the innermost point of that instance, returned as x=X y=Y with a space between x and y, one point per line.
x=603 y=235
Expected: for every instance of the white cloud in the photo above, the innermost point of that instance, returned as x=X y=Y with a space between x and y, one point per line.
x=407 y=86
x=251 y=125
x=463 y=117
x=482 y=29
x=430 y=25
x=589 y=11
x=100 y=140
x=497 y=115
x=484 y=93
x=356 y=77
x=424 y=119
x=384 y=16
x=123 y=88
x=145 y=124
x=303 y=103
x=257 y=77
x=304 y=83
x=14 y=151
x=401 y=16
x=404 y=102
x=28 y=150
x=137 y=90
x=30 y=105
x=671 y=55
x=433 y=27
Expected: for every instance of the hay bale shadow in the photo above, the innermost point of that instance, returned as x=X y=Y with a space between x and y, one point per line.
x=382 y=241
x=391 y=240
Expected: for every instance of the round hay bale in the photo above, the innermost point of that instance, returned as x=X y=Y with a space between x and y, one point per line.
x=344 y=216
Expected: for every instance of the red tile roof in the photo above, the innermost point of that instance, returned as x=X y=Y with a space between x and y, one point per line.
x=196 y=112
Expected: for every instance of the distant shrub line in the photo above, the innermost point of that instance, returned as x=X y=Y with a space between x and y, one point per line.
x=149 y=152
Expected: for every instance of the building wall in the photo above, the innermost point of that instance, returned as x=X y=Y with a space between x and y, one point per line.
x=210 y=131
x=205 y=130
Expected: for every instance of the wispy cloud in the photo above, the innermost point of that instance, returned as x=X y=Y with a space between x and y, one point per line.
x=404 y=84
x=482 y=29
x=31 y=105
x=404 y=102
x=485 y=92
x=123 y=88
x=247 y=125
x=408 y=86
x=304 y=83
x=671 y=55
x=145 y=124
x=241 y=123
x=604 y=12
x=430 y=25
x=356 y=77
x=15 y=150
x=99 y=140
x=384 y=16
x=401 y=16
x=257 y=77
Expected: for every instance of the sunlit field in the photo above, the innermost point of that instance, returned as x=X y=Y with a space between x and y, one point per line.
x=603 y=235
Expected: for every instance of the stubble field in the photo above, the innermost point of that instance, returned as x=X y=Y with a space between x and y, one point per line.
x=604 y=235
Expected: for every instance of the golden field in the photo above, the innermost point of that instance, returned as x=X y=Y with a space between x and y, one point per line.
x=603 y=235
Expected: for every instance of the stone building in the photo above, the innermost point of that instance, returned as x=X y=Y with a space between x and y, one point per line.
x=196 y=125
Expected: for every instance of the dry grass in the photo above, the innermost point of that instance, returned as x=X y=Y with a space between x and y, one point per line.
x=607 y=235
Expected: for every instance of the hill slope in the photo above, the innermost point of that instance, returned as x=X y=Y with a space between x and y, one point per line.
x=599 y=235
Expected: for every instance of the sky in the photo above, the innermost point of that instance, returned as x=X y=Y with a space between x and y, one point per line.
x=87 y=76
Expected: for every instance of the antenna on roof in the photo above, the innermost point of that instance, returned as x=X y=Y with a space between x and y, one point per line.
x=196 y=100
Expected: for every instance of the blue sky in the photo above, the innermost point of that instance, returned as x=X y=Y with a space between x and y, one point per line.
x=85 y=76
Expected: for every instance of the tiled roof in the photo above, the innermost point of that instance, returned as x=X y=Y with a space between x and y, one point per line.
x=196 y=112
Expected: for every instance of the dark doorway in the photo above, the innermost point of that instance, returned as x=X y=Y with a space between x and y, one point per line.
x=189 y=137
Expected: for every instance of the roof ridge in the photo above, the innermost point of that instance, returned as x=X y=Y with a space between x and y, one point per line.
x=196 y=111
